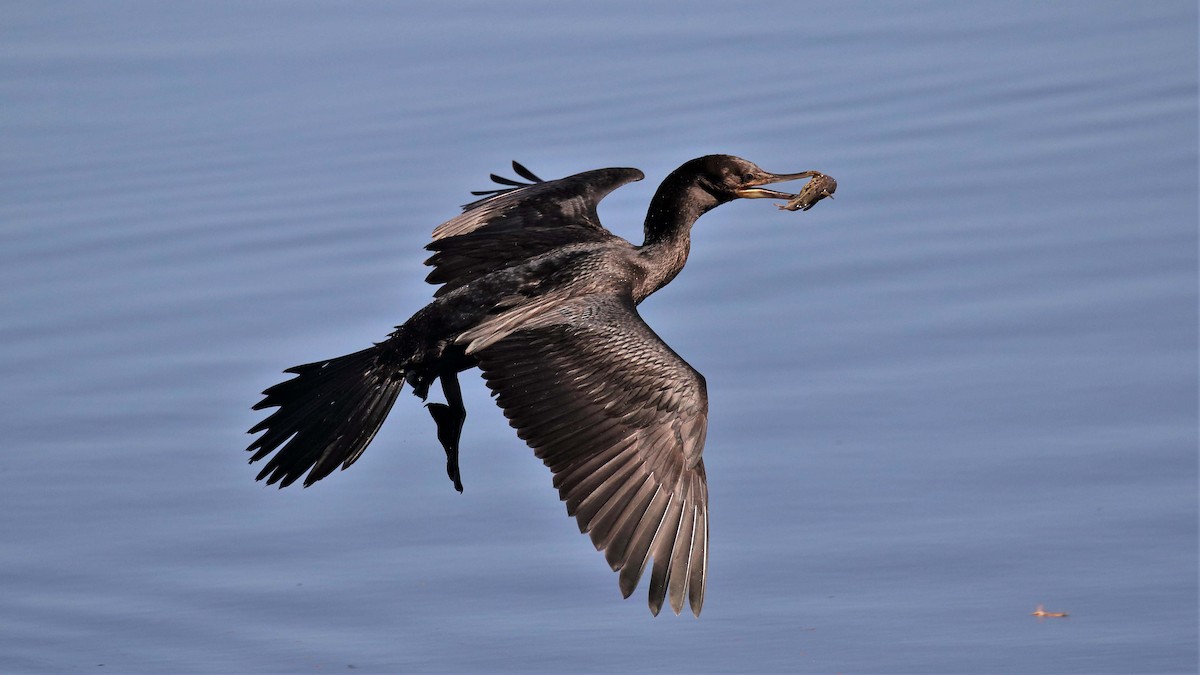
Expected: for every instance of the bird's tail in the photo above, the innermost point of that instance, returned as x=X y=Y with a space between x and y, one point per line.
x=326 y=416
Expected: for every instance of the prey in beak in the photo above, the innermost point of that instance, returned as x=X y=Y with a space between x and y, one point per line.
x=818 y=187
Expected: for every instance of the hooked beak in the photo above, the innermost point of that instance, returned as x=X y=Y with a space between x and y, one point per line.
x=752 y=191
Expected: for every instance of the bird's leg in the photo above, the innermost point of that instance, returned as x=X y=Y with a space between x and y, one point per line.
x=450 y=417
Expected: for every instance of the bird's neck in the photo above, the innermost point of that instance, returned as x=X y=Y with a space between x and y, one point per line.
x=673 y=211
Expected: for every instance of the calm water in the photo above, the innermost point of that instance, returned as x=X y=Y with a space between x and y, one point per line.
x=966 y=387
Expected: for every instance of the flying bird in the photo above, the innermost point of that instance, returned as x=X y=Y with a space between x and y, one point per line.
x=543 y=299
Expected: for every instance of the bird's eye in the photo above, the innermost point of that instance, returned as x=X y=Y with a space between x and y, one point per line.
x=747 y=177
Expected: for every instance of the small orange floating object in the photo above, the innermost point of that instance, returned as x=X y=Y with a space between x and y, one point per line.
x=1041 y=613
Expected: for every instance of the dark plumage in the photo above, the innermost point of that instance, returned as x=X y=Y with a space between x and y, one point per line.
x=543 y=299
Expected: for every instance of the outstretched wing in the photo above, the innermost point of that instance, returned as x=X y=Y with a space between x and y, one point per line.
x=620 y=419
x=519 y=222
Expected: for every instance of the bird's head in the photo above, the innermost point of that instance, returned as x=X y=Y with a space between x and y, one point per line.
x=704 y=183
x=725 y=178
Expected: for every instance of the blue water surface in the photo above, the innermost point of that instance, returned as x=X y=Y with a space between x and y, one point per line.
x=964 y=388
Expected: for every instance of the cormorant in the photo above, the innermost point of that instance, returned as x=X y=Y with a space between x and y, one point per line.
x=543 y=299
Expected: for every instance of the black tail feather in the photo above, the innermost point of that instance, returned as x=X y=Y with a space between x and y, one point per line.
x=326 y=416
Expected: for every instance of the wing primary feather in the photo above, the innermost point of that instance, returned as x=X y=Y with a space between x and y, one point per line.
x=681 y=556
x=525 y=173
x=660 y=550
x=698 y=579
x=639 y=543
x=506 y=181
x=699 y=563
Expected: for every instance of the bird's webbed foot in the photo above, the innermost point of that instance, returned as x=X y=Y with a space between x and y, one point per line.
x=450 y=417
